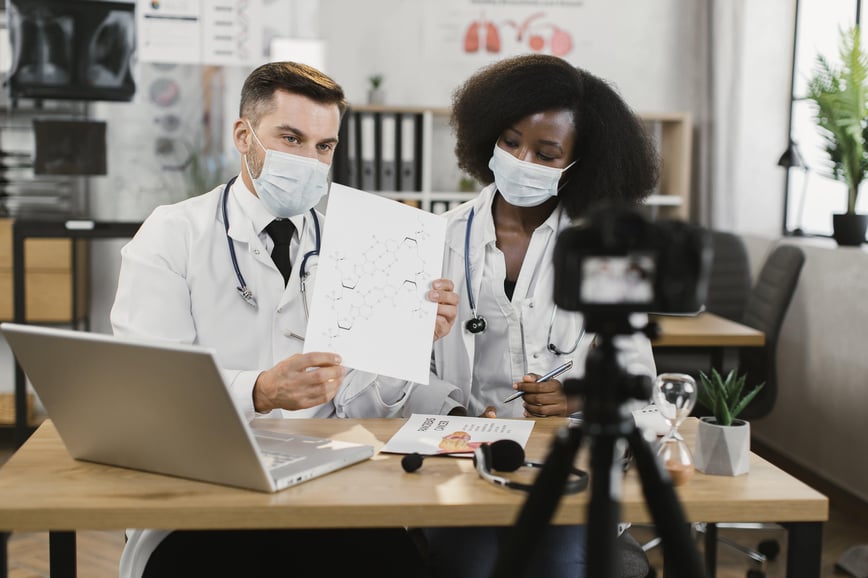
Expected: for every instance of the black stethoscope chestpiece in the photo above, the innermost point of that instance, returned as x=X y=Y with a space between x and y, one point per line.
x=475 y=324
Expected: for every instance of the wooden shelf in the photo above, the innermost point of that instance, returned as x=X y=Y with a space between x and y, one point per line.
x=49 y=286
x=376 y=154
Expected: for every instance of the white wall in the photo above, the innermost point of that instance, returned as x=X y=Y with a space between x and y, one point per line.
x=819 y=417
x=647 y=49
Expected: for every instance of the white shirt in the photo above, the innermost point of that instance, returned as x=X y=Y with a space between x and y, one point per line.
x=177 y=284
x=485 y=365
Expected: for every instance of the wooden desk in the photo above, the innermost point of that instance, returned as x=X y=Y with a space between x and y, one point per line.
x=705 y=330
x=43 y=488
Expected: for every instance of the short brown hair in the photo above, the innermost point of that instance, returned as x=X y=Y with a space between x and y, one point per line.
x=257 y=94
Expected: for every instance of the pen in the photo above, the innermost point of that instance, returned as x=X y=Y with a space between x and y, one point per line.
x=550 y=375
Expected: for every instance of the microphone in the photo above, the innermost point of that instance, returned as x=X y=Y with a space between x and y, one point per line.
x=506 y=456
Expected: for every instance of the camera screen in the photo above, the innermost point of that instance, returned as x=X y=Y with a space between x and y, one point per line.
x=612 y=280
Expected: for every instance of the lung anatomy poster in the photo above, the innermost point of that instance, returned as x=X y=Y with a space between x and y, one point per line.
x=493 y=29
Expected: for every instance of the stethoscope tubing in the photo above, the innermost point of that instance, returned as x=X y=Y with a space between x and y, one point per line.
x=478 y=323
x=242 y=287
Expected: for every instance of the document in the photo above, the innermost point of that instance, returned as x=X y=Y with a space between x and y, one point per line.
x=437 y=434
x=376 y=265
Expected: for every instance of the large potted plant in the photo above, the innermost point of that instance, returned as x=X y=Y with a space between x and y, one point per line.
x=841 y=98
x=722 y=439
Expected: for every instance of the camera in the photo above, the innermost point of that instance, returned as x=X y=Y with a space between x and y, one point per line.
x=616 y=262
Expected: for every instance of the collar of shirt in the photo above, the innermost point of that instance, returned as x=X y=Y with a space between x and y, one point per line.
x=556 y=221
x=257 y=214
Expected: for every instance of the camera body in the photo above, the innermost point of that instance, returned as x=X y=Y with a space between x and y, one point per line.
x=617 y=262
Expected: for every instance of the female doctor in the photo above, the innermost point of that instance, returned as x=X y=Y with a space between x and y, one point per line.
x=549 y=141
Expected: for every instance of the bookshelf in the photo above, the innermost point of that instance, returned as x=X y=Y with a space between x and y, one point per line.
x=406 y=153
x=672 y=134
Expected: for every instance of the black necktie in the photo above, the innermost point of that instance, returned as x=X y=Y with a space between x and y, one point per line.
x=281 y=231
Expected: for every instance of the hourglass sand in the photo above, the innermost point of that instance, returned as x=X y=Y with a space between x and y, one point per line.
x=674 y=394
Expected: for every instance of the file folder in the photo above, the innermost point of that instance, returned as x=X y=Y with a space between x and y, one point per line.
x=410 y=152
x=388 y=152
x=351 y=168
x=368 y=137
x=345 y=162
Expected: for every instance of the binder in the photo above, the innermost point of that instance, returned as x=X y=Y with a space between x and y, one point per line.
x=439 y=207
x=351 y=169
x=409 y=145
x=388 y=152
x=368 y=137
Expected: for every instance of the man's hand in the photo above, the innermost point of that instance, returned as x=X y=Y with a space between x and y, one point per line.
x=489 y=412
x=298 y=382
x=446 y=298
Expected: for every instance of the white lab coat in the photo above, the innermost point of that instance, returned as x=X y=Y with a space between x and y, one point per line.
x=454 y=354
x=177 y=284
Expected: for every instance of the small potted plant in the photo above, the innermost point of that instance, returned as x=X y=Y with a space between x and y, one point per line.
x=841 y=99
x=376 y=95
x=723 y=440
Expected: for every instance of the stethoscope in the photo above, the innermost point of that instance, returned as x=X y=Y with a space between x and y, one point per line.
x=242 y=288
x=476 y=324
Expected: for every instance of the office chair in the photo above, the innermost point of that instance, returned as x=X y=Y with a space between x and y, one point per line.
x=729 y=287
x=765 y=309
x=729 y=280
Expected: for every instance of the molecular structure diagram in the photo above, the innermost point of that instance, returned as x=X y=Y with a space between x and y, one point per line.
x=389 y=272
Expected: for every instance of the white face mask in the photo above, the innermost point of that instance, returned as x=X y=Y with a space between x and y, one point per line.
x=289 y=185
x=521 y=183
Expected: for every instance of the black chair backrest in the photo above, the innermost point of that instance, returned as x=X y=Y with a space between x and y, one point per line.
x=729 y=282
x=766 y=308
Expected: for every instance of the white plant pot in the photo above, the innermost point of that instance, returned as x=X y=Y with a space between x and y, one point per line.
x=722 y=450
x=376 y=96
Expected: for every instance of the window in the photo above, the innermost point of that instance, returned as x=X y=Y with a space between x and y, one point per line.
x=812 y=195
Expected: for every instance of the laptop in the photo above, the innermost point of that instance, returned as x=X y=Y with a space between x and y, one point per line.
x=162 y=408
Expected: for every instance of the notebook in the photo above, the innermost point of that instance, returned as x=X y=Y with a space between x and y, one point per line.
x=162 y=408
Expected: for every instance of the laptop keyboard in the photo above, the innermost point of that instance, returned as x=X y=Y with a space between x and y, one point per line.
x=275 y=460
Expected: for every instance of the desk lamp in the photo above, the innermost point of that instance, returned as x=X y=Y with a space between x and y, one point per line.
x=792 y=158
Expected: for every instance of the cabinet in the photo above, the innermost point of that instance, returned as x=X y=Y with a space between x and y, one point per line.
x=672 y=134
x=51 y=282
x=407 y=153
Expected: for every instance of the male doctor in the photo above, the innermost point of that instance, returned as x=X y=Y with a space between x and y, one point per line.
x=203 y=271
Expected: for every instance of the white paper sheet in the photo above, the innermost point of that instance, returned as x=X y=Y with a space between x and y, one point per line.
x=436 y=434
x=376 y=264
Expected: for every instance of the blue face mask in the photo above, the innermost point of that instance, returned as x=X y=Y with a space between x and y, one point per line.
x=521 y=183
x=289 y=185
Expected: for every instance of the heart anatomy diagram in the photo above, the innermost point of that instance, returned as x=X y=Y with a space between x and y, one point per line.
x=535 y=32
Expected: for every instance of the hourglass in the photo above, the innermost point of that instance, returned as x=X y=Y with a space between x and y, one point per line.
x=674 y=394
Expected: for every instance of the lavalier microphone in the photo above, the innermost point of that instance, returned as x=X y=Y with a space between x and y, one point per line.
x=506 y=456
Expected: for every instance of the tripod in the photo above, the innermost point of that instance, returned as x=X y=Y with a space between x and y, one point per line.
x=605 y=389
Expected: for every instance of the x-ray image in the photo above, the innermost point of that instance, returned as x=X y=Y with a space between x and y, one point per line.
x=42 y=46
x=72 y=49
x=109 y=50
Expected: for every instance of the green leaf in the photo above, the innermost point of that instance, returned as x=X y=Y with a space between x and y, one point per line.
x=841 y=99
x=739 y=407
x=723 y=397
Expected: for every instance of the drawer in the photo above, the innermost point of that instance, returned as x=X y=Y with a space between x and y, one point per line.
x=38 y=253
x=49 y=296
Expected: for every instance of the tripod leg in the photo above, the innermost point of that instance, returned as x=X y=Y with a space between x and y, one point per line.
x=679 y=551
x=604 y=508
x=540 y=506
